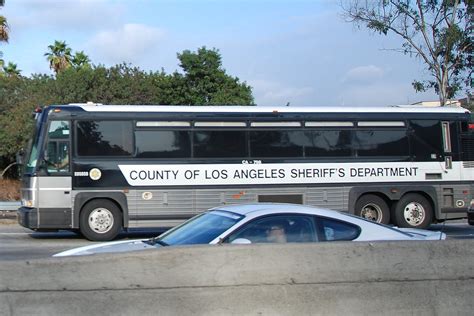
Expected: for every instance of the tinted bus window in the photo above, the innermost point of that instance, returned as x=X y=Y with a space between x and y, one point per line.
x=220 y=144
x=327 y=143
x=104 y=138
x=426 y=141
x=276 y=143
x=381 y=143
x=163 y=144
x=455 y=128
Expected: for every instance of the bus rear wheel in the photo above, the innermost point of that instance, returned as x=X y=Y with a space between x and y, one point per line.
x=100 y=220
x=374 y=208
x=413 y=211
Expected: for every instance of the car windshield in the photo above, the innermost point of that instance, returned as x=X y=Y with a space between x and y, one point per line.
x=201 y=229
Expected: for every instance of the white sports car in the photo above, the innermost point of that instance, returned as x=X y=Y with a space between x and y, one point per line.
x=264 y=223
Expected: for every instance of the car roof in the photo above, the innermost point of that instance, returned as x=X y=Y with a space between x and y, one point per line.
x=248 y=209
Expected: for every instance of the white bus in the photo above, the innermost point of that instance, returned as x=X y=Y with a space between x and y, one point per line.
x=98 y=169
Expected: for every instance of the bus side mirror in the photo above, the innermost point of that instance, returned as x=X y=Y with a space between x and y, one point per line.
x=43 y=168
x=43 y=164
x=20 y=157
x=46 y=156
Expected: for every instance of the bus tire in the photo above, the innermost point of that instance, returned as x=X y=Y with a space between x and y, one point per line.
x=413 y=211
x=373 y=207
x=470 y=219
x=100 y=220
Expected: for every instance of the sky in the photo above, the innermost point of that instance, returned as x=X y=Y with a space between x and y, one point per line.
x=297 y=51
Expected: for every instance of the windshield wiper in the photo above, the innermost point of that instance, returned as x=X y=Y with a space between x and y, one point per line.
x=154 y=241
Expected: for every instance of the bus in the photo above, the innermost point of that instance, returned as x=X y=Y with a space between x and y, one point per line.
x=100 y=169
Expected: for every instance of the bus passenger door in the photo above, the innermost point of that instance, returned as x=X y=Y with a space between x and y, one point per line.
x=55 y=185
x=455 y=196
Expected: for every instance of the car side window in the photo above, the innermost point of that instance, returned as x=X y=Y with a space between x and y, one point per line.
x=335 y=230
x=277 y=229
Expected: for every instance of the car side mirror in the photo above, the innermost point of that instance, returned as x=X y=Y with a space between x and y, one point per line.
x=241 y=241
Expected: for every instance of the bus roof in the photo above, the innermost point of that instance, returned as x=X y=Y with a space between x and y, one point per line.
x=263 y=109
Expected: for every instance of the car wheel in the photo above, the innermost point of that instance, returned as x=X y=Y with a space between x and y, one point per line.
x=100 y=220
x=413 y=211
x=374 y=208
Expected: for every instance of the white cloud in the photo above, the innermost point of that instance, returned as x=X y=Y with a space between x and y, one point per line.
x=79 y=15
x=363 y=74
x=275 y=93
x=130 y=43
x=381 y=94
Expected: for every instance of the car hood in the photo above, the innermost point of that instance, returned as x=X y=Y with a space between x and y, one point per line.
x=423 y=234
x=108 y=247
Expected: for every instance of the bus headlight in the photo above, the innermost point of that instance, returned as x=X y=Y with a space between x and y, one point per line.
x=27 y=203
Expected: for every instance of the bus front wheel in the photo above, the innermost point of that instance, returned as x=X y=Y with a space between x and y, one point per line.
x=373 y=207
x=100 y=220
x=413 y=211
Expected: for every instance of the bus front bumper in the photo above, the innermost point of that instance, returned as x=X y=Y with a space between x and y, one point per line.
x=52 y=219
x=28 y=217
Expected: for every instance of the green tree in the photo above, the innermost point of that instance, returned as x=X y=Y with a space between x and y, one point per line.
x=11 y=69
x=19 y=96
x=4 y=33
x=59 y=56
x=80 y=59
x=206 y=82
x=16 y=129
x=4 y=29
x=120 y=84
x=436 y=31
x=203 y=81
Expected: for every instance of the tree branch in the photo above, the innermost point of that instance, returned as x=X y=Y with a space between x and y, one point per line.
x=423 y=29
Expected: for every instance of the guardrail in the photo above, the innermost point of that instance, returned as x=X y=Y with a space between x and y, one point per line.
x=340 y=278
x=9 y=205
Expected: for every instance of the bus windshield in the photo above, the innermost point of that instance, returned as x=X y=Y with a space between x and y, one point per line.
x=33 y=148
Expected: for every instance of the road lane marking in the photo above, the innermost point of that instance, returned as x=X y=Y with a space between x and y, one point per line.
x=15 y=233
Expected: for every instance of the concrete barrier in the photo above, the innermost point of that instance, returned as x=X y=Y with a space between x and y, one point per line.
x=401 y=278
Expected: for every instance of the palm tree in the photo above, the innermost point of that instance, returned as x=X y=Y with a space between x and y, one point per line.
x=3 y=25
x=59 y=56
x=80 y=59
x=3 y=29
x=3 y=32
x=11 y=69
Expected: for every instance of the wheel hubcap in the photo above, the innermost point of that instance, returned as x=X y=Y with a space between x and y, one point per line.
x=414 y=213
x=101 y=220
x=372 y=212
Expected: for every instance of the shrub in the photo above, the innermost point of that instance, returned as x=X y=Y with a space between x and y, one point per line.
x=9 y=190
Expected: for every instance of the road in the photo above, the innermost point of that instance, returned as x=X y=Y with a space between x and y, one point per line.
x=18 y=243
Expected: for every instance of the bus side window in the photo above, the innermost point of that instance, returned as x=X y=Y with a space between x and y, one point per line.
x=57 y=151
